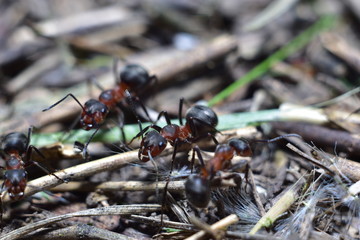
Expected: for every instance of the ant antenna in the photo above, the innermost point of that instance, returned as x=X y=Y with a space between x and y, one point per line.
x=29 y=135
x=166 y=116
x=279 y=138
x=69 y=95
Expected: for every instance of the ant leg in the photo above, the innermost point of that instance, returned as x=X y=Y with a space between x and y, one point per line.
x=44 y=169
x=167 y=183
x=85 y=152
x=30 y=162
x=213 y=138
x=29 y=136
x=176 y=143
x=96 y=83
x=121 y=125
x=198 y=152
x=68 y=95
x=192 y=161
x=247 y=182
x=166 y=116
x=121 y=118
x=157 y=128
x=136 y=99
x=131 y=101
x=29 y=150
x=181 y=103
x=157 y=174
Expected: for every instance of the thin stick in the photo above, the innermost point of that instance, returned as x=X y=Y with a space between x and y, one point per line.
x=176 y=186
x=256 y=194
x=157 y=222
x=112 y=210
x=79 y=171
x=222 y=224
x=311 y=159
x=83 y=230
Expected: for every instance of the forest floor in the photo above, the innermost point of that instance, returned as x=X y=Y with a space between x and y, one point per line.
x=282 y=77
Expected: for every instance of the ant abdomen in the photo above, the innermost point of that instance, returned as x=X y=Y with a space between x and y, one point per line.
x=135 y=76
x=15 y=141
x=197 y=190
x=203 y=118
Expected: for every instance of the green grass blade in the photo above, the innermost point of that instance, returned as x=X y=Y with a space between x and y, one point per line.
x=229 y=121
x=324 y=23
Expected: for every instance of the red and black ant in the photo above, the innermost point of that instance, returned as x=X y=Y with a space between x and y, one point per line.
x=200 y=122
x=197 y=186
x=132 y=78
x=16 y=151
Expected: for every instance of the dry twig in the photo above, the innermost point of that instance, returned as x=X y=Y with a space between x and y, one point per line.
x=112 y=210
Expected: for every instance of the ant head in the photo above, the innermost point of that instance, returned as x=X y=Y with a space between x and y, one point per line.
x=15 y=142
x=241 y=147
x=135 y=76
x=204 y=119
x=153 y=143
x=15 y=182
x=94 y=114
x=197 y=190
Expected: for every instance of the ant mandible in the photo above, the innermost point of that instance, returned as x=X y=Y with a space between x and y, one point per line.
x=197 y=186
x=133 y=78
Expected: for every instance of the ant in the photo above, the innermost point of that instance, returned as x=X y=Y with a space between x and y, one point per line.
x=197 y=187
x=16 y=151
x=200 y=122
x=133 y=77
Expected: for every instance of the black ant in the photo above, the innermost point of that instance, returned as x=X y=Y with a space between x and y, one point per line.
x=16 y=151
x=133 y=78
x=197 y=187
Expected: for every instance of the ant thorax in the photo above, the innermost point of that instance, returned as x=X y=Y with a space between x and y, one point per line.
x=170 y=132
x=14 y=162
